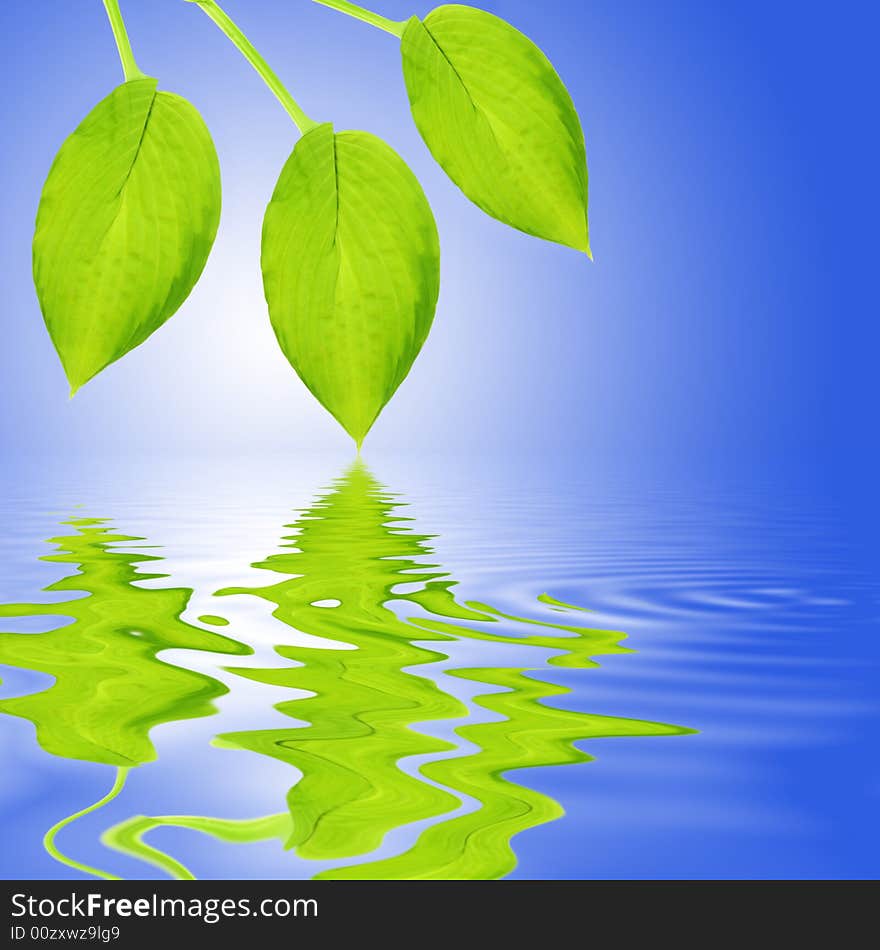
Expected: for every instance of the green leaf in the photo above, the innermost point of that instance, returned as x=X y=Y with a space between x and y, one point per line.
x=498 y=119
x=351 y=271
x=126 y=221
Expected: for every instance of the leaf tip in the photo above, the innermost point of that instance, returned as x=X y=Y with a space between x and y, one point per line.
x=76 y=382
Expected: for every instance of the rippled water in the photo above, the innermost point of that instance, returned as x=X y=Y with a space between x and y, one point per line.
x=287 y=671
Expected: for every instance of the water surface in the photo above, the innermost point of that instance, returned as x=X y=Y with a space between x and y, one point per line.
x=290 y=671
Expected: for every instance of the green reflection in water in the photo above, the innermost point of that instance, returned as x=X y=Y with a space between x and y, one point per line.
x=109 y=687
x=349 y=551
x=51 y=834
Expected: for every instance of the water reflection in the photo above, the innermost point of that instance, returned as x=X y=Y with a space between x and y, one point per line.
x=371 y=680
x=109 y=688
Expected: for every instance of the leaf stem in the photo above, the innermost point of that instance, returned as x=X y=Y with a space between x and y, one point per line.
x=395 y=27
x=246 y=48
x=120 y=34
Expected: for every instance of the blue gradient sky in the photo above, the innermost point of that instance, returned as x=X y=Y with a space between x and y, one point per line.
x=724 y=327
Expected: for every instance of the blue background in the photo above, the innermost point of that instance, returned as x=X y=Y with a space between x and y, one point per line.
x=725 y=337
x=725 y=327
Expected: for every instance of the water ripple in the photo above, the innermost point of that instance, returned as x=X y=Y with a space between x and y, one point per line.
x=400 y=718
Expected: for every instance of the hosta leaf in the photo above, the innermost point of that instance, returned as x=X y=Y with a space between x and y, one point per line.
x=498 y=119
x=351 y=271
x=126 y=221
